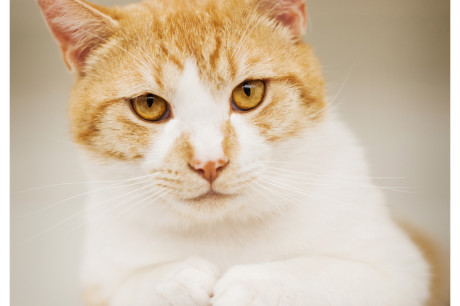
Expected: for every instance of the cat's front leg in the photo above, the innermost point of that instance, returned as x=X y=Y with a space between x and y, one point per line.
x=189 y=283
x=321 y=281
x=251 y=285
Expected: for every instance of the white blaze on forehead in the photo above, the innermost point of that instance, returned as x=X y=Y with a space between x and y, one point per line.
x=200 y=115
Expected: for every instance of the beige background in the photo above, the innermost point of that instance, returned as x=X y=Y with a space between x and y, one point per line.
x=396 y=98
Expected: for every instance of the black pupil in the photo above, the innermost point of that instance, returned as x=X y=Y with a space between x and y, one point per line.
x=247 y=89
x=150 y=100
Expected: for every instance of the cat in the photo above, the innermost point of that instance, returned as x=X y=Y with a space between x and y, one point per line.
x=221 y=175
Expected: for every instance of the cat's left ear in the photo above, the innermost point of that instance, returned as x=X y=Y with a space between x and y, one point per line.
x=78 y=26
x=291 y=13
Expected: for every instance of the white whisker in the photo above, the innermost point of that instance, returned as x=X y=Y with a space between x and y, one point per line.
x=329 y=105
x=114 y=208
x=334 y=184
x=303 y=172
x=75 y=215
x=77 y=196
x=82 y=183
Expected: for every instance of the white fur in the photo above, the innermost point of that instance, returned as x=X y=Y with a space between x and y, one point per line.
x=199 y=114
x=325 y=240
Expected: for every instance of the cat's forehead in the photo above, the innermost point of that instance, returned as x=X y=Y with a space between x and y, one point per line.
x=225 y=44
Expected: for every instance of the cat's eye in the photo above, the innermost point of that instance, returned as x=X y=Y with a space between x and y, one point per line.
x=151 y=107
x=248 y=95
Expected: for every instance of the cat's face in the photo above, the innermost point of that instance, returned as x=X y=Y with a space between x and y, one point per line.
x=197 y=95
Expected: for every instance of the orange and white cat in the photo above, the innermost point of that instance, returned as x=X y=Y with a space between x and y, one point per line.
x=220 y=174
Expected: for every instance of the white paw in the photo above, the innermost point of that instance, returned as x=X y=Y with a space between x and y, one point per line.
x=189 y=284
x=249 y=285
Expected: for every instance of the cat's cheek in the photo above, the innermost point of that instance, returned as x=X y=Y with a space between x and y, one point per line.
x=161 y=145
x=253 y=147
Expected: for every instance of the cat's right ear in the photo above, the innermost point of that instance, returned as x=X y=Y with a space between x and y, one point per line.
x=290 y=13
x=78 y=27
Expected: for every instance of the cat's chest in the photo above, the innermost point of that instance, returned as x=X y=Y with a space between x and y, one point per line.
x=226 y=245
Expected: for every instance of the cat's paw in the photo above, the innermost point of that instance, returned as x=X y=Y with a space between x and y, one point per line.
x=189 y=284
x=249 y=285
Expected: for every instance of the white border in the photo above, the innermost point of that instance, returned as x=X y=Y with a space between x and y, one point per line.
x=5 y=152
x=455 y=152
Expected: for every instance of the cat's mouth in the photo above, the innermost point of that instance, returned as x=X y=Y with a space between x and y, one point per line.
x=211 y=195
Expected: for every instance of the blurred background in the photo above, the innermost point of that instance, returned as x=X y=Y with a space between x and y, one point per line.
x=386 y=62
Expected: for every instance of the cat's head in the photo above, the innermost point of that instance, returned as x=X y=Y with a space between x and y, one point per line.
x=199 y=94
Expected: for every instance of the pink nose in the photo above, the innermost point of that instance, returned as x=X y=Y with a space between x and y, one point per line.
x=209 y=170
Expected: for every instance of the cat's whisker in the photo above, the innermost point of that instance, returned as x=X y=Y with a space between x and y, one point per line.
x=282 y=197
x=79 y=196
x=84 y=183
x=303 y=172
x=328 y=200
x=326 y=181
x=146 y=191
x=158 y=194
x=345 y=81
x=163 y=193
x=109 y=235
x=75 y=215
x=302 y=203
x=289 y=187
x=294 y=176
x=331 y=103
x=247 y=179
x=114 y=208
x=264 y=193
x=310 y=177
x=337 y=184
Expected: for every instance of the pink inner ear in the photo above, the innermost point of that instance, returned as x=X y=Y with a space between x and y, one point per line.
x=73 y=57
x=295 y=21
x=292 y=13
x=74 y=51
x=77 y=26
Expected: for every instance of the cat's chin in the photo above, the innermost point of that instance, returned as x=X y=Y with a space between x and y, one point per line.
x=210 y=196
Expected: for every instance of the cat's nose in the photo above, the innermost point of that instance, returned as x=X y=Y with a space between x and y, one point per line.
x=209 y=169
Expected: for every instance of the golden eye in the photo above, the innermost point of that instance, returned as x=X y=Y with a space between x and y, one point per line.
x=151 y=107
x=248 y=95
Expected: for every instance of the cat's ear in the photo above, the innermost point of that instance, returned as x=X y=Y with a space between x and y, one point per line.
x=78 y=27
x=291 y=13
